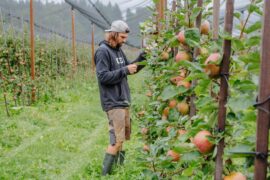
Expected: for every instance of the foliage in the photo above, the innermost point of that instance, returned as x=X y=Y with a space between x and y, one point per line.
x=53 y=61
x=168 y=82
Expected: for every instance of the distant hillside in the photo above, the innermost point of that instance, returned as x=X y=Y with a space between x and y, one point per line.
x=57 y=17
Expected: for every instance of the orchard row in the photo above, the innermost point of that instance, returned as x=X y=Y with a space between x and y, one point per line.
x=179 y=121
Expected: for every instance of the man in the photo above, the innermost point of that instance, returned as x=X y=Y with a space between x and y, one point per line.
x=112 y=69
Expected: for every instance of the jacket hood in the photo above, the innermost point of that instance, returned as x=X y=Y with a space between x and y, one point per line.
x=107 y=44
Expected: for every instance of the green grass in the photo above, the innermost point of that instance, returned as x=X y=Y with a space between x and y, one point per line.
x=66 y=137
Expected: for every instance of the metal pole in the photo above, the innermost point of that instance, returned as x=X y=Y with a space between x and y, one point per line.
x=263 y=100
x=32 y=49
x=93 y=49
x=216 y=9
x=223 y=94
x=74 y=63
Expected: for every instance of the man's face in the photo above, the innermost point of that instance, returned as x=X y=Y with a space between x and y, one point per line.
x=122 y=38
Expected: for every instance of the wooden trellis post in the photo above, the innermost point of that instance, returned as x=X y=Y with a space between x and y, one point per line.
x=223 y=94
x=263 y=103
x=74 y=62
x=174 y=50
x=216 y=9
x=93 y=49
x=196 y=53
x=160 y=6
x=33 y=97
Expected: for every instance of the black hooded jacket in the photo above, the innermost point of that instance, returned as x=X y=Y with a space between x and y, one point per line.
x=111 y=69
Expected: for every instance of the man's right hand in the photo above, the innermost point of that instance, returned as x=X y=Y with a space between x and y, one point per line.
x=132 y=68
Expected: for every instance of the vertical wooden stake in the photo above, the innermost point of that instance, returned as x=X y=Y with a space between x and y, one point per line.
x=32 y=50
x=196 y=53
x=223 y=94
x=158 y=15
x=216 y=9
x=264 y=93
x=6 y=104
x=93 y=49
x=74 y=63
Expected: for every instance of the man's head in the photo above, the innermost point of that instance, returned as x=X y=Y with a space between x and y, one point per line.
x=118 y=33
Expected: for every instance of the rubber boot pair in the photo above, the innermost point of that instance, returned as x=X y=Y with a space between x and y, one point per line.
x=110 y=160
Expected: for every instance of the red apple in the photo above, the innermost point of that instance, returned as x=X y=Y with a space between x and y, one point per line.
x=174 y=155
x=202 y=143
x=182 y=55
x=146 y=148
x=235 y=176
x=181 y=37
x=144 y=130
x=205 y=27
x=183 y=108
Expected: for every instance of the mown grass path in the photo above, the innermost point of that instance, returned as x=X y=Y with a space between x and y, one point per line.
x=63 y=139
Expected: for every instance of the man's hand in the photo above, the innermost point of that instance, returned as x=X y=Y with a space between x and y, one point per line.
x=132 y=68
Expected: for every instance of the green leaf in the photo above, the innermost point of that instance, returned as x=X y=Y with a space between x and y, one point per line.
x=238 y=45
x=237 y=15
x=195 y=12
x=142 y=63
x=191 y=65
x=253 y=41
x=188 y=171
x=256 y=26
x=190 y=156
x=254 y=8
x=202 y=86
x=240 y=102
x=192 y=37
x=240 y=150
x=168 y=93
x=250 y=116
x=184 y=147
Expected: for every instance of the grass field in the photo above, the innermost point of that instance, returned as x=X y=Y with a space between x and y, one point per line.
x=66 y=137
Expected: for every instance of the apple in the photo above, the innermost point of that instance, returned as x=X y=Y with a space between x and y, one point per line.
x=203 y=51
x=181 y=132
x=149 y=94
x=146 y=148
x=166 y=111
x=168 y=129
x=164 y=117
x=214 y=57
x=181 y=37
x=235 y=176
x=211 y=68
x=202 y=143
x=186 y=84
x=172 y=103
x=182 y=55
x=174 y=155
x=176 y=79
x=182 y=72
x=141 y=113
x=205 y=27
x=183 y=108
x=164 y=55
x=144 y=130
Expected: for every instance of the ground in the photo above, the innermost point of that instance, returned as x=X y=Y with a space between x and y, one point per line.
x=64 y=138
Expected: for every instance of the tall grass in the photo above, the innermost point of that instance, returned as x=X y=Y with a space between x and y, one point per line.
x=64 y=137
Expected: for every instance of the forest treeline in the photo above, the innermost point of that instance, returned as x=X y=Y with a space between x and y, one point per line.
x=57 y=16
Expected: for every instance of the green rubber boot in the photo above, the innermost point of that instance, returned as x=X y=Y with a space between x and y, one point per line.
x=108 y=162
x=122 y=155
